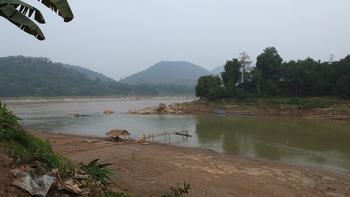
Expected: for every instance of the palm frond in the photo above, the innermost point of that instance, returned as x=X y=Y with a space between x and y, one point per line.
x=61 y=7
x=25 y=9
x=99 y=172
x=19 y=13
x=16 y=17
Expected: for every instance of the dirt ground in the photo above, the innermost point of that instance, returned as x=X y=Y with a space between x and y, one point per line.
x=149 y=170
x=6 y=178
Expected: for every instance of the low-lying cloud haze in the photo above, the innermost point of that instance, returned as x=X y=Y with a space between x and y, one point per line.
x=119 y=38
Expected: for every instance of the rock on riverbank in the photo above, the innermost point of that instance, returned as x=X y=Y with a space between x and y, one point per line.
x=162 y=109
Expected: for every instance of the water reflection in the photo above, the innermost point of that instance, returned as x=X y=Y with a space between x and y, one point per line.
x=317 y=143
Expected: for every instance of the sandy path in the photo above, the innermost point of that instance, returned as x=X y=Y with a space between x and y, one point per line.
x=146 y=170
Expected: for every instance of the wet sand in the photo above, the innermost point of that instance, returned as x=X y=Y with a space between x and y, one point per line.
x=146 y=170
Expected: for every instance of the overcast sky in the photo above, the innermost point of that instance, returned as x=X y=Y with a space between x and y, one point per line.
x=119 y=38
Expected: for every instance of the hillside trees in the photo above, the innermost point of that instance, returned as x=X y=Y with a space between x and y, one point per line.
x=28 y=76
x=296 y=78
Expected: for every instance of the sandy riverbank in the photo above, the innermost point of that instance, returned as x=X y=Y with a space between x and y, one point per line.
x=146 y=170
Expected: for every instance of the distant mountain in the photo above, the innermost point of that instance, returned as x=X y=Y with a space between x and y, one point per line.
x=89 y=73
x=31 y=76
x=168 y=72
x=218 y=70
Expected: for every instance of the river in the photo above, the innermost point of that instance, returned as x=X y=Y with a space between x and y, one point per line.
x=316 y=143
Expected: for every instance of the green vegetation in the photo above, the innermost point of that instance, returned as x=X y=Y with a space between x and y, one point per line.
x=271 y=77
x=27 y=149
x=209 y=87
x=19 y=13
x=92 y=75
x=99 y=172
x=26 y=76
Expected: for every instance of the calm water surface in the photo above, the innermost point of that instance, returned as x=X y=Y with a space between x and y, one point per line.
x=318 y=143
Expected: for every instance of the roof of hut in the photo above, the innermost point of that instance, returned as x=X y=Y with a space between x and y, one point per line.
x=117 y=132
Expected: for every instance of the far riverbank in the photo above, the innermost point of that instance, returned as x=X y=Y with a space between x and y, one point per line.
x=311 y=108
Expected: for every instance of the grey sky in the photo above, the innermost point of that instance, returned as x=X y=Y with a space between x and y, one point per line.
x=119 y=38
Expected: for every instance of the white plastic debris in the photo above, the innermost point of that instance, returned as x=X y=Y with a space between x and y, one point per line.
x=37 y=186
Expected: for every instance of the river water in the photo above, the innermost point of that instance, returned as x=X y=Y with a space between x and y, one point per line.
x=317 y=143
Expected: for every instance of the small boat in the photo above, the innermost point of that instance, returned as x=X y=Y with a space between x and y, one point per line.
x=183 y=133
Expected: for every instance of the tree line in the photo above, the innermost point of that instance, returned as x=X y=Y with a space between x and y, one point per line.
x=272 y=77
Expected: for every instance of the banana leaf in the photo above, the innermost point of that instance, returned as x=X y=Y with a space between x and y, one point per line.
x=15 y=16
x=25 y=9
x=19 y=13
x=61 y=7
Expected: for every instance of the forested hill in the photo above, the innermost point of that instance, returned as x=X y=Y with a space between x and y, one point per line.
x=167 y=72
x=89 y=73
x=28 y=76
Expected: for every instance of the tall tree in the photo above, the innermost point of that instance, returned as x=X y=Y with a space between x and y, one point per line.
x=20 y=13
x=269 y=62
x=232 y=75
x=245 y=62
x=209 y=87
x=256 y=79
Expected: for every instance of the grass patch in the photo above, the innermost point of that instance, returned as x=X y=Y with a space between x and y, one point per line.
x=100 y=173
x=310 y=103
x=28 y=149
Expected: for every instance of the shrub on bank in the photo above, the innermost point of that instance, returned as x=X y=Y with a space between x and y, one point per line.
x=28 y=149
